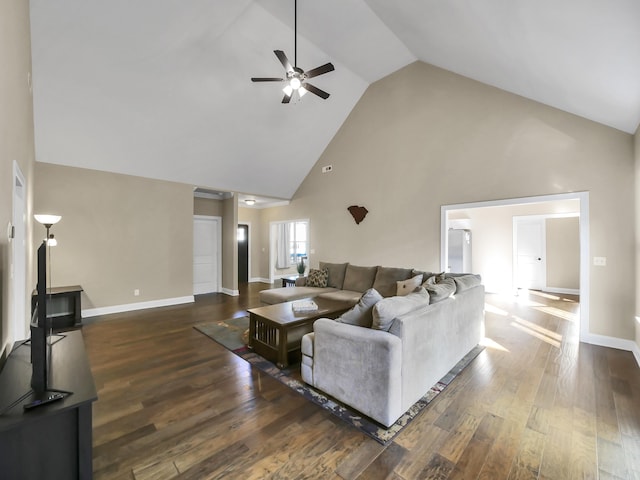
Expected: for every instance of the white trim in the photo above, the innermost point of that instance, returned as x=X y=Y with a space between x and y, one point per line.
x=259 y=280
x=562 y=291
x=19 y=329
x=614 y=342
x=585 y=267
x=636 y=353
x=232 y=293
x=130 y=307
x=272 y=240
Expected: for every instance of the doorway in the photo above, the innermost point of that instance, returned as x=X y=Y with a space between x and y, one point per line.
x=18 y=258
x=447 y=217
x=243 y=253
x=207 y=264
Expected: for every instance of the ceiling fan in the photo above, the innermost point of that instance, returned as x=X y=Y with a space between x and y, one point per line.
x=296 y=78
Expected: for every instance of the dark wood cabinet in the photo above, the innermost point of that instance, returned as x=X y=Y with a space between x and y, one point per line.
x=52 y=440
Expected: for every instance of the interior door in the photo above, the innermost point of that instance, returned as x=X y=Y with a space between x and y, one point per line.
x=206 y=254
x=530 y=260
x=243 y=253
x=18 y=260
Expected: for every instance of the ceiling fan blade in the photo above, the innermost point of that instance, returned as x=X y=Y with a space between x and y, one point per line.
x=315 y=90
x=287 y=98
x=283 y=60
x=314 y=72
x=266 y=79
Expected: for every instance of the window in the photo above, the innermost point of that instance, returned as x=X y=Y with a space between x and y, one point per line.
x=298 y=241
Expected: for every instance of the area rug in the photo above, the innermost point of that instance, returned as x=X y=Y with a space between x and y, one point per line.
x=229 y=332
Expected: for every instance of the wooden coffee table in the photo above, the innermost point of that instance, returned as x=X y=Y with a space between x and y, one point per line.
x=275 y=331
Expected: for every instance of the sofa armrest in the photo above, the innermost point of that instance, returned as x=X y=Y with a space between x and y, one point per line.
x=360 y=367
x=301 y=281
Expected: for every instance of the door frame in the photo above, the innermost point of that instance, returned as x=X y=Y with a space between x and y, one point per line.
x=585 y=279
x=19 y=256
x=218 y=221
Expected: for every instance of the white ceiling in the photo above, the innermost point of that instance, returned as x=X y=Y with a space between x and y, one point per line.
x=161 y=89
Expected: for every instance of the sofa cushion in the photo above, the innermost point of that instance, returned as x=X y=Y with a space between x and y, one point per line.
x=466 y=282
x=359 y=279
x=306 y=344
x=387 y=309
x=348 y=296
x=386 y=278
x=362 y=312
x=440 y=290
x=336 y=273
x=288 y=294
x=405 y=287
x=317 y=278
x=425 y=275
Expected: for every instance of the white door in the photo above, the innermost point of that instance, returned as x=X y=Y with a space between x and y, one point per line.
x=206 y=254
x=530 y=262
x=18 y=257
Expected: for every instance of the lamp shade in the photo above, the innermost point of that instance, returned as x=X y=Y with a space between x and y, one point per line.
x=46 y=219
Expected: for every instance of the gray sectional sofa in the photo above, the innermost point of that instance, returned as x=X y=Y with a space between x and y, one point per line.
x=388 y=351
x=345 y=282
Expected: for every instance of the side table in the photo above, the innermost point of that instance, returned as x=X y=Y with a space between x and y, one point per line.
x=63 y=305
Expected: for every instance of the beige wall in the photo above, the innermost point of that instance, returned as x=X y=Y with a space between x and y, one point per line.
x=207 y=206
x=230 y=244
x=492 y=244
x=563 y=253
x=424 y=137
x=16 y=143
x=118 y=233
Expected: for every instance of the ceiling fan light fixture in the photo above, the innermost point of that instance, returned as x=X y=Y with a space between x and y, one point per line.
x=296 y=78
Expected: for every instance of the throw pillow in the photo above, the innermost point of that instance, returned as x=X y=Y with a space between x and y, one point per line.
x=435 y=278
x=362 y=313
x=317 y=278
x=387 y=309
x=407 y=286
x=441 y=290
x=465 y=282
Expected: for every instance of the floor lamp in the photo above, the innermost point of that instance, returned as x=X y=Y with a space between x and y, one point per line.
x=48 y=221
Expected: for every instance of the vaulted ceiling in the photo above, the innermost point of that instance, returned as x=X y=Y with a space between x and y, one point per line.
x=161 y=88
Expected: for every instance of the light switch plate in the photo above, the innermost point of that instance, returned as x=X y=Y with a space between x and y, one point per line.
x=600 y=261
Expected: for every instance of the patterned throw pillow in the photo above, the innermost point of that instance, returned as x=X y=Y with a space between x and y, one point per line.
x=317 y=278
x=408 y=286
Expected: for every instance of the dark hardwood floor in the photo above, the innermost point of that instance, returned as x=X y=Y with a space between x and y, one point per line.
x=534 y=404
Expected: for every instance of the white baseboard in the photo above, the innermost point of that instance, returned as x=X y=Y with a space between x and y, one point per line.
x=562 y=291
x=130 y=307
x=613 y=342
x=232 y=293
x=259 y=280
x=636 y=352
